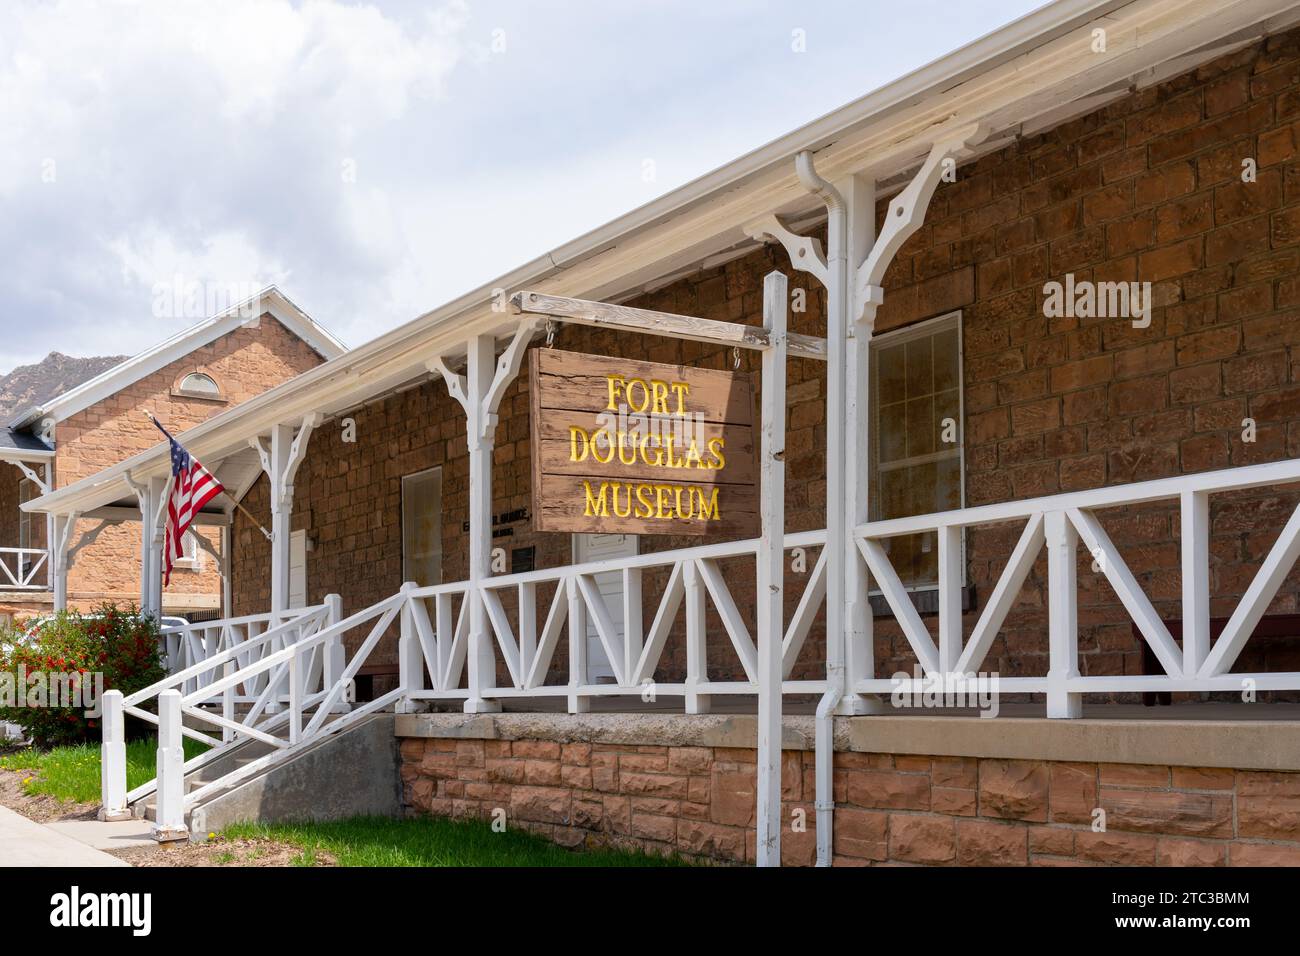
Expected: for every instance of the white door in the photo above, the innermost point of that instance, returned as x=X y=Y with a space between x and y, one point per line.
x=604 y=547
x=298 y=569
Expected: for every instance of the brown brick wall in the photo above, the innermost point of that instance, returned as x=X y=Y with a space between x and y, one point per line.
x=943 y=811
x=244 y=363
x=1146 y=189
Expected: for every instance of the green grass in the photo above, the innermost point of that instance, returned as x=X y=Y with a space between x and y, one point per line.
x=72 y=773
x=430 y=841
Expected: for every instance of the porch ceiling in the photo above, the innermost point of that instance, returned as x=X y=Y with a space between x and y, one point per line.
x=1030 y=75
x=236 y=472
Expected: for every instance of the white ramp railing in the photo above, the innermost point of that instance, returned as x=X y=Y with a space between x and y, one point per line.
x=186 y=645
x=1061 y=522
x=305 y=655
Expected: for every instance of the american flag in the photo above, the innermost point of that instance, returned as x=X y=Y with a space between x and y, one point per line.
x=192 y=487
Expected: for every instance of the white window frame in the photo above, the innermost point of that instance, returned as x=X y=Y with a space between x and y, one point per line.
x=407 y=480
x=923 y=329
x=214 y=395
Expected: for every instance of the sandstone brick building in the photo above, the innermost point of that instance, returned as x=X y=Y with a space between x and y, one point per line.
x=202 y=371
x=1167 y=156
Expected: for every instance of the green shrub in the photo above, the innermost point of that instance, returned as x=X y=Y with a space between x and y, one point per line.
x=116 y=642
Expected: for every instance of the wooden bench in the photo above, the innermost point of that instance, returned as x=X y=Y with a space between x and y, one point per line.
x=1272 y=625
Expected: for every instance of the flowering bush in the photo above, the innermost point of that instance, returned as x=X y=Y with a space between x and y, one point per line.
x=118 y=643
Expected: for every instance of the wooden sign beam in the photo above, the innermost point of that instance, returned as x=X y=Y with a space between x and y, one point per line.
x=604 y=315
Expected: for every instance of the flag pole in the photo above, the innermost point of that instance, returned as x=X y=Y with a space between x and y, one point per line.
x=242 y=510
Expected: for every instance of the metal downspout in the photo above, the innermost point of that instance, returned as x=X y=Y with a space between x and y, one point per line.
x=837 y=293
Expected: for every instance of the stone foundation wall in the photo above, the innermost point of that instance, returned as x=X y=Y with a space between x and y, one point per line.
x=699 y=801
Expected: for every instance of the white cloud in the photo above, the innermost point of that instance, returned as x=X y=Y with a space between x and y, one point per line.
x=378 y=158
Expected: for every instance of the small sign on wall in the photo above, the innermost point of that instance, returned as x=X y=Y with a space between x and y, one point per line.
x=628 y=447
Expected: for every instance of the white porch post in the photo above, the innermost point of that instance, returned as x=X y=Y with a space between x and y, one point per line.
x=479 y=392
x=46 y=487
x=170 y=807
x=851 y=272
x=335 y=658
x=281 y=515
x=482 y=440
x=410 y=653
x=63 y=528
x=280 y=463
x=112 y=759
x=859 y=194
x=1062 y=615
x=152 y=529
x=771 y=571
x=157 y=530
x=227 y=585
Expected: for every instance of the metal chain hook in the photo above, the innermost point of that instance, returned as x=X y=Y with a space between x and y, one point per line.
x=550 y=333
x=735 y=357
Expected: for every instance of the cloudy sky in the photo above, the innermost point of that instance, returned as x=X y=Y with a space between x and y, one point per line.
x=377 y=159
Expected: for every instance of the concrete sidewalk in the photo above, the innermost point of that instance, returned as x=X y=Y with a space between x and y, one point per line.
x=24 y=842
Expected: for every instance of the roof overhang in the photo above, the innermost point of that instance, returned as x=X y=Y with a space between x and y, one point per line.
x=1027 y=76
x=26 y=455
x=269 y=301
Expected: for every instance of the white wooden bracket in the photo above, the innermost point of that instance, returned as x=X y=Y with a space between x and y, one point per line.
x=31 y=475
x=805 y=252
x=154 y=521
x=297 y=453
x=282 y=488
x=63 y=540
x=907 y=212
x=454 y=381
x=508 y=365
x=481 y=411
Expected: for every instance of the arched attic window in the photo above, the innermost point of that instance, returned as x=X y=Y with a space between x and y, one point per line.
x=199 y=385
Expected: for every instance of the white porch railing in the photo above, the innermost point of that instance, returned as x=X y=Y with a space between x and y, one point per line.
x=527 y=615
x=20 y=569
x=1060 y=522
x=435 y=628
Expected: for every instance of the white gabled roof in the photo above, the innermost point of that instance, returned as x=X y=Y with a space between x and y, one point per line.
x=270 y=301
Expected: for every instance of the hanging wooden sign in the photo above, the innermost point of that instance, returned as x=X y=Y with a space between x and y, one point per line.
x=628 y=447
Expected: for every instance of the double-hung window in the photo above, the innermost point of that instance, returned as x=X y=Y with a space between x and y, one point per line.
x=916 y=436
